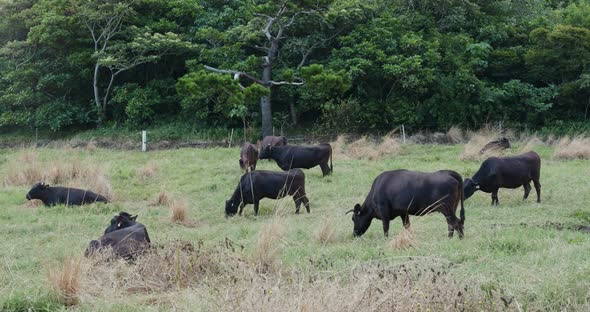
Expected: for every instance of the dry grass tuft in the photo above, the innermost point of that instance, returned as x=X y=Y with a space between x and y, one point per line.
x=326 y=232
x=147 y=171
x=530 y=144
x=65 y=281
x=179 y=211
x=574 y=148
x=471 y=150
x=365 y=148
x=163 y=199
x=455 y=135
x=403 y=240
x=268 y=247
x=91 y=146
x=33 y=203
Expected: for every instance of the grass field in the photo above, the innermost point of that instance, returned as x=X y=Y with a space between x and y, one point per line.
x=519 y=256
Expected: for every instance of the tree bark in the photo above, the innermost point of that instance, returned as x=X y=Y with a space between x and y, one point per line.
x=96 y=91
x=265 y=102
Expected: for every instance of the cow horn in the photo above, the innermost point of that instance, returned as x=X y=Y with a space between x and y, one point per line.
x=351 y=210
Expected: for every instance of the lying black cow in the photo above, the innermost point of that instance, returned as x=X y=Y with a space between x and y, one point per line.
x=260 y=184
x=401 y=193
x=293 y=156
x=506 y=172
x=498 y=144
x=125 y=236
x=55 y=195
x=248 y=157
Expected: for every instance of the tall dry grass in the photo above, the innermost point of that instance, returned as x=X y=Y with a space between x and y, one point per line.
x=405 y=239
x=219 y=279
x=266 y=256
x=477 y=140
x=163 y=199
x=65 y=281
x=326 y=233
x=530 y=144
x=455 y=135
x=26 y=170
x=572 y=148
x=364 y=148
x=178 y=211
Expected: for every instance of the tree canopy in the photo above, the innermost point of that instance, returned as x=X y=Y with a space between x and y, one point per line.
x=334 y=65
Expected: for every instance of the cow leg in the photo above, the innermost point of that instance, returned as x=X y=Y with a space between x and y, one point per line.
x=451 y=228
x=495 y=198
x=297 y=201
x=253 y=166
x=386 y=227
x=453 y=225
x=303 y=199
x=406 y=221
x=527 y=190
x=325 y=169
x=241 y=208
x=256 y=206
x=537 y=189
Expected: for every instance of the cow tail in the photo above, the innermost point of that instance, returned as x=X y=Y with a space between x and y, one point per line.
x=331 y=165
x=461 y=196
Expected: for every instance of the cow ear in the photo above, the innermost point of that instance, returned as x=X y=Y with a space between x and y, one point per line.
x=357 y=208
x=134 y=218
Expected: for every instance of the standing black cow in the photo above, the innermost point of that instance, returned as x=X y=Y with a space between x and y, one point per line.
x=506 y=172
x=55 y=195
x=293 y=156
x=124 y=235
x=401 y=193
x=259 y=184
x=248 y=157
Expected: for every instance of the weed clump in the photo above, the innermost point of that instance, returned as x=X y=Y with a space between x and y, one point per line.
x=65 y=281
x=365 y=148
x=267 y=251
x=326 y=232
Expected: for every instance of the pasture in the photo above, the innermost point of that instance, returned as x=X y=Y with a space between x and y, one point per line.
x=520 y=256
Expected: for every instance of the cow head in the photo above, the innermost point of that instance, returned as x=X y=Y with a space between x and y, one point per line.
x=231 y=208
x=39 y=191
x=266 y=151
x=469 y=187
x=504 y=142
x=361 y=218
x=121 y=221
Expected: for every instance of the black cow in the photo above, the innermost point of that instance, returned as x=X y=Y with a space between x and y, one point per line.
x=248 y=157
x=293 y=156
x=55 y=195
x=124 y=235
x=259 y=184
x=506 y=172
x=498 y=144
x=401 y=193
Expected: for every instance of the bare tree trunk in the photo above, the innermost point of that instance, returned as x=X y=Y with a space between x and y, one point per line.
x=96 y=91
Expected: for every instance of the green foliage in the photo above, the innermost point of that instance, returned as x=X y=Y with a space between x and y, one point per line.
x=372 y=65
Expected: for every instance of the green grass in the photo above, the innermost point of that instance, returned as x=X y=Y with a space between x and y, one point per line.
x=541 y=266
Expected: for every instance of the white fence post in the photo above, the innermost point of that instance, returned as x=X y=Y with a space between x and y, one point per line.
x=231 y=138
x=404 y=133
x=143 y=140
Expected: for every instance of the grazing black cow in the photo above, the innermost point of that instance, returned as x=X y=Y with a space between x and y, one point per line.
x=55 y=195
x=506 y=172
x=293 y=156
x=498 y=144
x=270 y=140
x=401 y=193
x=125 y=236
x=248 y=157
x=259 y=184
